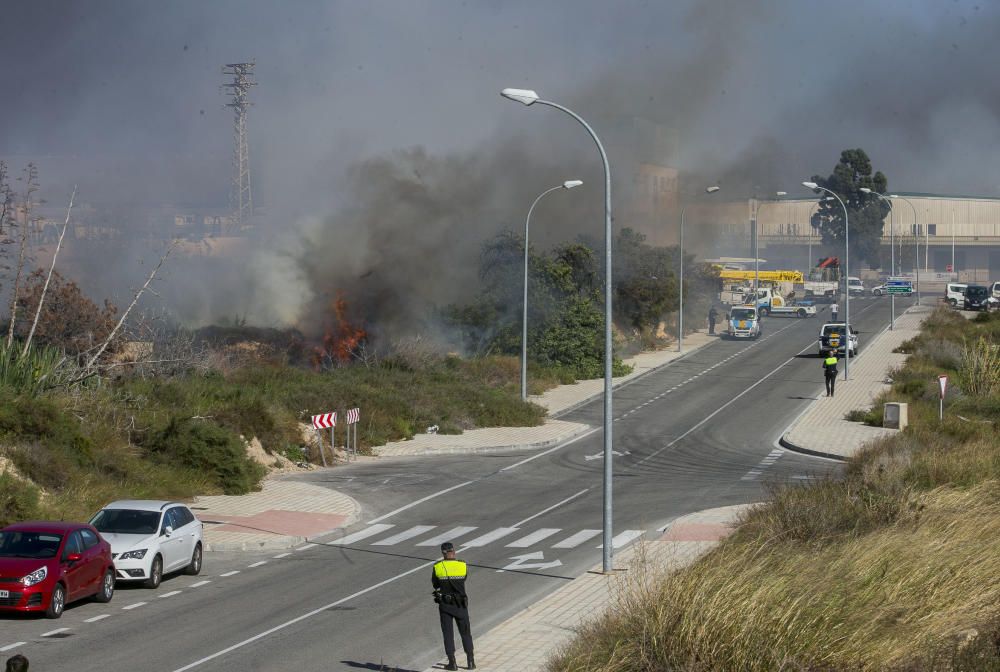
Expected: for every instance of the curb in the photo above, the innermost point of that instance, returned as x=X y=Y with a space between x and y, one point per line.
x=475 y=450
x=280 y=542
x=627 y=381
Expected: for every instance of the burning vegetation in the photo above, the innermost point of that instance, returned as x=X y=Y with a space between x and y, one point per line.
x=342 y=339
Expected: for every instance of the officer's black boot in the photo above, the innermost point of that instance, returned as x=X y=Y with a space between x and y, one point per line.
x=452 y=665
x=472 y=662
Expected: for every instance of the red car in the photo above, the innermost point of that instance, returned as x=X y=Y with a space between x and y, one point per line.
x=45 y=566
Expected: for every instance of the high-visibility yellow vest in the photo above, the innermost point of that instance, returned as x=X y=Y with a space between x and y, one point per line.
x=450 y=569
x=830 y=361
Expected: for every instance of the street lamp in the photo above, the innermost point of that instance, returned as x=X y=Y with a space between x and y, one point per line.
x=892 y=253
x=568 y=184
x=528 y=97
x=680 y=290
x=847 y=273
x=916 y=245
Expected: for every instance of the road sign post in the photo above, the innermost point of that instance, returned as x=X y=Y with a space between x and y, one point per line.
x=324 y=421
x=943 y=386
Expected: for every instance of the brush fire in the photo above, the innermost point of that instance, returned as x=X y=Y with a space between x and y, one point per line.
x=341 y=337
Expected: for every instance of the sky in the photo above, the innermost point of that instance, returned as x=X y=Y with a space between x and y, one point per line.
x=124 y=99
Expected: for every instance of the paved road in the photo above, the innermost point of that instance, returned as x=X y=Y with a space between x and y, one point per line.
x=700 y=433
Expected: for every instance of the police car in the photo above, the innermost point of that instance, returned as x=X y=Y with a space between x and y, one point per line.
x=833 y=338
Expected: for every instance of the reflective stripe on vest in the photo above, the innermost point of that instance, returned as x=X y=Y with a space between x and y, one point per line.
x=831 y=361
x=449 y=569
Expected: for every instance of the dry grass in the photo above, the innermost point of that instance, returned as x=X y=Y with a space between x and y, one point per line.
x=896 y=566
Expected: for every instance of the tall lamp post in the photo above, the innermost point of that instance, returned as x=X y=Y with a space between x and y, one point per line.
x=892 y=253
x=528 y=97
x=916 y=245
x=568 y=184
x=847 y=272
x=680 y=290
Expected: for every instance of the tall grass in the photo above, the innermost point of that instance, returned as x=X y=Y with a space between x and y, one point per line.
x=31 y=373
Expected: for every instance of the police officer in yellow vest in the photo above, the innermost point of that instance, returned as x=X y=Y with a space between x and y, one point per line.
x=448 y=580
x=830 y=371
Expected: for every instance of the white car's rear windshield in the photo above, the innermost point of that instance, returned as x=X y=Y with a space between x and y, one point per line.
x=126 y=521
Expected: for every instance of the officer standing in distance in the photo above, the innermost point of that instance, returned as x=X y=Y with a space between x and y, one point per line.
x=830 y=371
x=448 y=580
x=834 y=309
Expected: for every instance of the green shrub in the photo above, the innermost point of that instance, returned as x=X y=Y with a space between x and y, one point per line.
x=206 y=447
x=18 y=500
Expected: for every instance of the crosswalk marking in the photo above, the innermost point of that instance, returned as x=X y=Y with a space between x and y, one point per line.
x=577 y=539
x=450 y=535
x=369 y=531
x=415 y=531
x=624 y=538
x=533 y=538
x=490 y=537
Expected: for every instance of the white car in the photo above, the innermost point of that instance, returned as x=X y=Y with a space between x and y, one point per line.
x=150 y=538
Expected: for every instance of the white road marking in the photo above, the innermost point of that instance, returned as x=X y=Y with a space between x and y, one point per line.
x=534 y=537
x=304 y=547
x=490 y=537
x=134 y=606
x=577 y=539
x=12 y=646
x=200 y=584
x=557 y=504
x=54 y=632
x=415 y=531
x=257 y=564
x=552 y=450
x=281 y=555
x=450 y=535
x=369 y=531
x=170 y=594
x=232 y=573
x=420 y=501
x=96 y=618
x=520 y=562
x=624 y=538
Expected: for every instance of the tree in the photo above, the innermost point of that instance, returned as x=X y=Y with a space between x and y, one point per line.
x=867 y=213
x=645 y=283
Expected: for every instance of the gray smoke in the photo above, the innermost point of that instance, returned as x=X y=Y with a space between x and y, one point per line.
x=123 y=98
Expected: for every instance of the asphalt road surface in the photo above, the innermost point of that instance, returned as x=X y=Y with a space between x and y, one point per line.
x=696 y=434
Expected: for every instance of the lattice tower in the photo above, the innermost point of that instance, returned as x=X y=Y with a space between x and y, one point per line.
x=240 y=194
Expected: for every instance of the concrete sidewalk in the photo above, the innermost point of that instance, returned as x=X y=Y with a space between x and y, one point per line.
x=283 y=514
x=821 y=429
x=558 y=400
x=524 y=642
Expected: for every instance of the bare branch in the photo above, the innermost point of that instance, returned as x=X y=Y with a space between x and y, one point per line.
x=31 y=186
x=135 y=300
x=48 y=278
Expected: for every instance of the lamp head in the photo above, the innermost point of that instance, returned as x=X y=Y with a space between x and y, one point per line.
x=865 y=190
x=526 y=96
x=712 y=189
x=779 y=194
x=569 y=184
x=893 y=195
x=809 y=185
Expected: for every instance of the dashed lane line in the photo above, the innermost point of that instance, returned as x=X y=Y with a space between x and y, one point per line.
x=232 y=573
x=50 y=633
x=134 y=606
x=281 y=555
x=257 y=564
x=200 y=584
x=96 y=618
x=170 y=594
x=12 y=646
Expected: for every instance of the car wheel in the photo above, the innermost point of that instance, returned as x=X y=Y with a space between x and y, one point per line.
x=952 y=302
x=877 y=292
x=194 y=568
x=107 y=590
x=802 y=312
x=57 y=603
x=155 y=573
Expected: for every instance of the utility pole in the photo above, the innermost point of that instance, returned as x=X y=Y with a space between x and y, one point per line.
x=240 y=196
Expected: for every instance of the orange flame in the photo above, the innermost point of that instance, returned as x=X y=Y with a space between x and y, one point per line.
x=342 y=339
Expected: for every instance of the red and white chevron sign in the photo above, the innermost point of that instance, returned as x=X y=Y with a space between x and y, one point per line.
x=353 y=415
x=324 y=420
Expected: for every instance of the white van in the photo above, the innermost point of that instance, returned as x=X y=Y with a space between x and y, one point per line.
x=954 y=294
x=995 y=290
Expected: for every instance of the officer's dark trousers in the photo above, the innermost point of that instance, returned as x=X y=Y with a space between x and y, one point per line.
x=831 y=382
x=449 y=614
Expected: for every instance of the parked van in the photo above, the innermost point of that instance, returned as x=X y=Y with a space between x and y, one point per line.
x=995 y=290
x=954 y=294
x=977 y=297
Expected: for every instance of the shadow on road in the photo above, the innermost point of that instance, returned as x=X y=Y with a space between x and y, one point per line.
x=379 y=667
